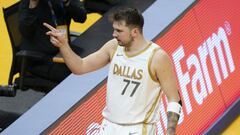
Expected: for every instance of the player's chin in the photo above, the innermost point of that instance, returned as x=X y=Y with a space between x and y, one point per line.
x=120 y=43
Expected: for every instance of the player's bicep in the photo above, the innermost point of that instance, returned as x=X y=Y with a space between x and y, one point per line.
x=100 y=58
x=166 y=77
x=96 y=60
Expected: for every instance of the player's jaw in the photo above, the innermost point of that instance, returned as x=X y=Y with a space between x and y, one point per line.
x=125 y=42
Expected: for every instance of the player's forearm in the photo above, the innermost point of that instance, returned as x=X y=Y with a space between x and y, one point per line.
x=173 y=114
x=71 y=59
x=172 y=119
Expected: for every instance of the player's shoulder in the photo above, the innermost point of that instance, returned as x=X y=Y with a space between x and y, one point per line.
x=113 y=44
x=110 y=47
x=160 y=55
x=159 y=52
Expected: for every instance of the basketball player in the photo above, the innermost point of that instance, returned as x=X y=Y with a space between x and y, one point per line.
x=139 y=72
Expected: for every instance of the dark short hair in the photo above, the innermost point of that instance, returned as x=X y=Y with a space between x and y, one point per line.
x=131 y=16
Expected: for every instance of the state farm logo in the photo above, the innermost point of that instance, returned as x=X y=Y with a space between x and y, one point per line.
x=216 y=50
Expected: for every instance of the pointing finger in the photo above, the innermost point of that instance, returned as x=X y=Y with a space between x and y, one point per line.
x=50 y=27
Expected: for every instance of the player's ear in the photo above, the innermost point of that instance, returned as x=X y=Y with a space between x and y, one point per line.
x=134 y=32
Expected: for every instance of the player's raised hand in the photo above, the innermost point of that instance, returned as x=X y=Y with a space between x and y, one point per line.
x=57 y=38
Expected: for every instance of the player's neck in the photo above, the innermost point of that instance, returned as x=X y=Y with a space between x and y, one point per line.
x=137 y=45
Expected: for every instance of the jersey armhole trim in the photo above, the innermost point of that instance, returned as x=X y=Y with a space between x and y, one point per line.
x=149 y=65
x=111 y=57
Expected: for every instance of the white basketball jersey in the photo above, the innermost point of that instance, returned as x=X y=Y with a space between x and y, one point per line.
x=132 y=95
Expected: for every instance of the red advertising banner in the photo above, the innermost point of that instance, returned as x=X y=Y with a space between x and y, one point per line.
x=224 y=15
x=85 y=119
x=204 y=48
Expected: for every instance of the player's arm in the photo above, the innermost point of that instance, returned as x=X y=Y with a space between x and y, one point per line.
x=75 y=63
x=166 y=77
